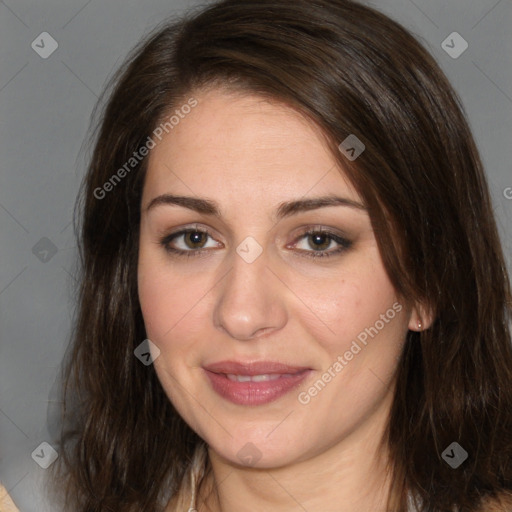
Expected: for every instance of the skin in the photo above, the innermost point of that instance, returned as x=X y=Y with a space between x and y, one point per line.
x=250 y=155
x=6 y=504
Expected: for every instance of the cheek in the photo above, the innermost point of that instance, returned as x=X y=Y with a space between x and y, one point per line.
x=166 y=297
x=340 y=308
x=156 y=299
x=167 y=302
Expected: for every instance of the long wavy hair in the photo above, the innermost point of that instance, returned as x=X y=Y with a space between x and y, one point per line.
x=350 y=70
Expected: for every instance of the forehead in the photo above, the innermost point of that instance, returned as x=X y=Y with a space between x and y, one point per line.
x=232 y=143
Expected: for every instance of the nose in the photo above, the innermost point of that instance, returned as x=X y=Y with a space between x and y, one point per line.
x=250 y=301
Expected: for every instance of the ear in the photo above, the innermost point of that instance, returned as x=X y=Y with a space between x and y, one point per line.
x=420 y=318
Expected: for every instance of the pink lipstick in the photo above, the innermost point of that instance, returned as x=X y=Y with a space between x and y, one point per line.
x=255 y=383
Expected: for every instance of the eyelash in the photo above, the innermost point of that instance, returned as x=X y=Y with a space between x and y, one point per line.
x=343 y=243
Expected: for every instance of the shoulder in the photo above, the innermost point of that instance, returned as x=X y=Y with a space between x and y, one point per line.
x=6 y=503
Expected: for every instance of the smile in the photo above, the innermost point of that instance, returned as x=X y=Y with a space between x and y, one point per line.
x=254 y=383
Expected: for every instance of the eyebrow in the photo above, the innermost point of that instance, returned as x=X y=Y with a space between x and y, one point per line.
x=285 y=209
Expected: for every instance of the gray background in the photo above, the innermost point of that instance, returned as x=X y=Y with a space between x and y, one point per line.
x=45 y=106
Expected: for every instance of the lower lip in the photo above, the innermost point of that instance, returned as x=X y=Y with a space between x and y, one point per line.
x=254 y=393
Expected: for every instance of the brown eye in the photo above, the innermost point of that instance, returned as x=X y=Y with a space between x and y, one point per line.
x=189 y=242
x=195 y=239
x=319 y=241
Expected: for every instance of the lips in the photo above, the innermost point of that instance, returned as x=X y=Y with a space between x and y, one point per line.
x=254 y=383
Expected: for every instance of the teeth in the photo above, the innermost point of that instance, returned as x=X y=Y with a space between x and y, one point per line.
x=256 y=378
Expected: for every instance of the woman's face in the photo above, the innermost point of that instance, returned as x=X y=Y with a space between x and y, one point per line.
x=313 y=318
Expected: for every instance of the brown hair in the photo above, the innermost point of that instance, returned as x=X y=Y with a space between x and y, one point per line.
x=350 y=70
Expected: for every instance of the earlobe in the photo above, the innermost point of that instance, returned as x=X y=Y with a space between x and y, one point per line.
x=421 y=319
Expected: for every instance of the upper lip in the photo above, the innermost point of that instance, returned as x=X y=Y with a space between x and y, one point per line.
x=253 y=368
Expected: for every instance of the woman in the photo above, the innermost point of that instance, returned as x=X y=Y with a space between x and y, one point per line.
x=293 y=293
